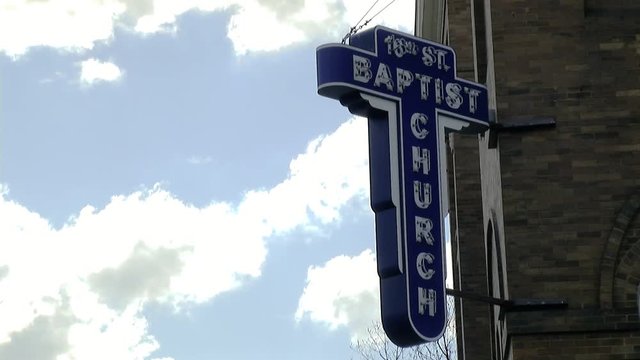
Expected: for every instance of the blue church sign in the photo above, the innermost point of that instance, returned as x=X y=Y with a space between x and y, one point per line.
x=408 y=89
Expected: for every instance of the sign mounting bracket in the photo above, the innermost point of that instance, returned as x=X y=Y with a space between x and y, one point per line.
x=512 y=305
x=518 y=124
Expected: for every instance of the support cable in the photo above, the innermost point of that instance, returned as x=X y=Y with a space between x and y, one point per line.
x=354 y=29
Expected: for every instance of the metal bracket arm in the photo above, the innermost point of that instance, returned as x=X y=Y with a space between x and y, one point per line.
x=518 y=124
x=513 y=304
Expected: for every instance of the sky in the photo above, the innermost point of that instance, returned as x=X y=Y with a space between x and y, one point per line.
x=173 y=188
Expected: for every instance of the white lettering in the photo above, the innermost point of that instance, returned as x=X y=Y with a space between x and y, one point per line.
x=473 y=99
x=422 y=194
x=422 y=263
x=404 y=78
x=439 y=91
x=431 y=55
x=400 y=46
x=428 y=55
x=421 y=159
x=418 y=123
x=423 y=230
x=426 y=298
x=389 y=41
x=383 y=76
x=424 y=85
x=454 y=99
x=441 y=59
x=361 y=69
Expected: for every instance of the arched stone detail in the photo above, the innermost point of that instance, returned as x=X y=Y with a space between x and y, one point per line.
x=612 y=248
x=627 y=278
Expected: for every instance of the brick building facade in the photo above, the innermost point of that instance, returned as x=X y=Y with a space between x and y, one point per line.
x=549 y=213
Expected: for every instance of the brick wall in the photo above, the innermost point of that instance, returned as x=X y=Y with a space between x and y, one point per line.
x=470 y=274
x=563 y=190
x=599 y=346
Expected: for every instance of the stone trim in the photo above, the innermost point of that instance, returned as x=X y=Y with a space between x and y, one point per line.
x=627 y=277
x=612 y=248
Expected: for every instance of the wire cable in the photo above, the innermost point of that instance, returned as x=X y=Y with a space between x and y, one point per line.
x=354 y=29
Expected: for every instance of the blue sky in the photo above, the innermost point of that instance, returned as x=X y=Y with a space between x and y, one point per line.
x=172 y=187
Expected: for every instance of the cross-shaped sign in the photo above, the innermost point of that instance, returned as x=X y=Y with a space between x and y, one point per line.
x=408 y=89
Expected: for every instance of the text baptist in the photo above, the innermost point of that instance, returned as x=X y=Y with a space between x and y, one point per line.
x=452 y=94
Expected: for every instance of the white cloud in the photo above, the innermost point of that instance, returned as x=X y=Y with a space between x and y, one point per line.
x=93 y=70
x=199 y=160
x=254 y=25
x=333 y=170
x=43 y=338
x=81 y=289
x=62 y=24
x=51 y=79
x=257 y=28
x=267 y=25
x=342 y=292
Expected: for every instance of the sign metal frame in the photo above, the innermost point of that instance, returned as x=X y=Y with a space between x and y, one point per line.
x=408 y=89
